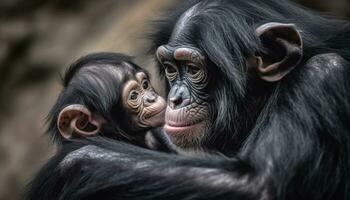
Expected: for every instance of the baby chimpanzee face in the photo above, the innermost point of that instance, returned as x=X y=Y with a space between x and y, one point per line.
x=144 y=106
x=106 y=94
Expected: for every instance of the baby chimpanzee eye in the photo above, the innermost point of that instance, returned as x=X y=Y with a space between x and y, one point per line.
x=145 y=84
x=133 y=95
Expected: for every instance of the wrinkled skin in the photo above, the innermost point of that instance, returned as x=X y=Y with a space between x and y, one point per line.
x=187 y=119
x=146 y=108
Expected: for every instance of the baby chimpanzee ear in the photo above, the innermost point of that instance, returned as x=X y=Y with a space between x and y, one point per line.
x=77 y=119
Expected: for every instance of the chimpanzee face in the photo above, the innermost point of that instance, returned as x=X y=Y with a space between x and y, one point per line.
x=200 y=77
x=144 y=106
x=187 y=115
x=125 y=94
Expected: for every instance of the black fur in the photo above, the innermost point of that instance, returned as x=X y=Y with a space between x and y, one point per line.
x=296 y=147
x=225 y=31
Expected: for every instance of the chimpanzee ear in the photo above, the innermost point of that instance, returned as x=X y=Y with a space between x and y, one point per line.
x=283 y=50
x=77 y=119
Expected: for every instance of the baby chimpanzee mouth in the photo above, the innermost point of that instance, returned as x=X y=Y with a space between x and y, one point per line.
x=154 y=114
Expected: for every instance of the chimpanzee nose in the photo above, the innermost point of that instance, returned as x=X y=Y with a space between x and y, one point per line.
x=150 y=98
x=178 y=97
x=175 y=101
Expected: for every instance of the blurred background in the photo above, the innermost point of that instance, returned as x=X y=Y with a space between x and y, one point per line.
x=38 y=40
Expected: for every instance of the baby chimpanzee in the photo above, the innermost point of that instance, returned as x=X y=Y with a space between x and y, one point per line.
x=106 y=94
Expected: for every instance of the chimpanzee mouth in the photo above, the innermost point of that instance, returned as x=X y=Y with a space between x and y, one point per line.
x=183 y=124
x=182 y=129
x=154 y=120
x=186 y=120
x=152 y=115
x=158 y=109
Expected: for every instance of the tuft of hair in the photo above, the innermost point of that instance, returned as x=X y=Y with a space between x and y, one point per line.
x=102 y=58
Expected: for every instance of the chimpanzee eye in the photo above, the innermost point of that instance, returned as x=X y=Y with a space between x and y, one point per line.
x=170 y=71
x=192 y=69
x=169 y=68
x=133 y=95
x=145 y=84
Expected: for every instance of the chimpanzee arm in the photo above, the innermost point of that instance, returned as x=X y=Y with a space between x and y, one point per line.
x=122 y=171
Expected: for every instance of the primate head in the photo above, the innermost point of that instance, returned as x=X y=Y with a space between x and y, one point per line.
x=106 y=94
x=215 y=60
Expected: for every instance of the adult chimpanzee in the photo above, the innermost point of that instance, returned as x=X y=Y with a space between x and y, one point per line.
x=266 y=81
x=106 y=94
x=228 y=62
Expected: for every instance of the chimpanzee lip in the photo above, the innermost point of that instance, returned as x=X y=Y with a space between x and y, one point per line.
x=155 y=114
x=173 y=130
x=184 y=117
x=182 y=124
